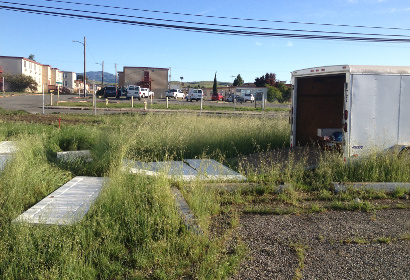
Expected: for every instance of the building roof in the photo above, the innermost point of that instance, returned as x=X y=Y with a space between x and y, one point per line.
x=147 y=68
x=20 y=57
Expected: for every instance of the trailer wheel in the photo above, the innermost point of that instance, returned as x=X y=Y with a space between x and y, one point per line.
x=405 y=152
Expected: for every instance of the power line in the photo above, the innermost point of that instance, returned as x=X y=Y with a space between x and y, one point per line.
x=230 y=18
x=210 y=24
x=211 y=30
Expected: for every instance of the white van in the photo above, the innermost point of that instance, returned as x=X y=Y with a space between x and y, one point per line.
x=195 y=94
x=248 y=97
x=134 y=91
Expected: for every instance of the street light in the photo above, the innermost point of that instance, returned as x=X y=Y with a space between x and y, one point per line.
x=181 y=82
x=102 y=74
x=85 y=75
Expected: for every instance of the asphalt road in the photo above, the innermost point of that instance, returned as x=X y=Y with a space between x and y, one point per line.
x=32 y=103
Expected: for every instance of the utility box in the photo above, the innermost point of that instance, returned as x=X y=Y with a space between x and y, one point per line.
x=367 y=106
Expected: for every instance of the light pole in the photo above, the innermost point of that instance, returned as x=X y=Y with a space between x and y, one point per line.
x=181 y=82
x=102 y=74
x=85 y=75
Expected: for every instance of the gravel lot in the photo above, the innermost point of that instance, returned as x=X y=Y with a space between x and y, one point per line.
x=335 y=245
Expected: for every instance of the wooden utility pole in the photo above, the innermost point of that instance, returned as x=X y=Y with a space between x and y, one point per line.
x=85 y=75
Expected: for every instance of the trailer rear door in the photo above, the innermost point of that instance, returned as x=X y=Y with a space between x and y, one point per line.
x=374 y=113
x=404 y=122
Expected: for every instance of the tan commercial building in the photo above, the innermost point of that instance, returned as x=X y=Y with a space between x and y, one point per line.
x=156 y=79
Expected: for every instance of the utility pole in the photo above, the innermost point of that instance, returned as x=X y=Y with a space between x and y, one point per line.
x=85 y=75
x=102 y=74
x=116 y=74
x=169 y=82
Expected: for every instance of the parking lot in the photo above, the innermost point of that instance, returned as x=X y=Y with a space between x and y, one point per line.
x=207 y=102
x=32 y=103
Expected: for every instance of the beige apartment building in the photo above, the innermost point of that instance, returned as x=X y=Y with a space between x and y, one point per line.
x=69 y=80
x=156 y=79
x=21 y=65
x=44 y=75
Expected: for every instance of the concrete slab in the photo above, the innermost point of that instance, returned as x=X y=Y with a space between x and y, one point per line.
x=380 y=186
x=66 y=205
x=4 y=158
x=7 y=147
x=214 y=170
x=171 y=169
x=70 y=156
x=187 y=170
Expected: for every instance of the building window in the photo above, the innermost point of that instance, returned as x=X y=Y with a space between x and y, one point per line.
x=25 y=64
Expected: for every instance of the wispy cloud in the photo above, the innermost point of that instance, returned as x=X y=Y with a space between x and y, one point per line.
x=289 y=44
x=258 y=44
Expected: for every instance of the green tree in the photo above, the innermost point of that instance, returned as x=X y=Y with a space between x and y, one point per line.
x=238 y=81
x=31 y=57
x=267 y=79
x=274 y=94
x=20 y=83
x=215 y=87
x=285 y=90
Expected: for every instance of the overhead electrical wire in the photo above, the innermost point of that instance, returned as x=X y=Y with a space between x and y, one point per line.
x=230 y=18
x=381 y=39
x=209 y=24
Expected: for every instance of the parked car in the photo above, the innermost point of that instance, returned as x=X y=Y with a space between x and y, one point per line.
x=249 y=97
x=237 y=97
x=110 y=91
x=121 y=92
x=217 y=96
x=134 y=91
x=195 y=94
x=151 y=93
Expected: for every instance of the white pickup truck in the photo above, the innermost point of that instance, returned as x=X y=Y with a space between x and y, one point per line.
x=146 y=93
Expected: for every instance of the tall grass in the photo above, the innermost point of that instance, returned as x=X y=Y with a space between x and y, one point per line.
x=133 y=230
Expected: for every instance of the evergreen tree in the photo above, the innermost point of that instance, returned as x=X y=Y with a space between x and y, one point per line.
x=215 y=87
x=238 y=81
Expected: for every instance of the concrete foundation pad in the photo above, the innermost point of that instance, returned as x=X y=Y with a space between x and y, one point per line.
x=3 y=160
x=187 y=170
x=66 y=205
x=214 y=170
x=7 y=147
x=379 y=186
x=70 y=156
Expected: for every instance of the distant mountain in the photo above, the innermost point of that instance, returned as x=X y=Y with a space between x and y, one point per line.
x=96 y=76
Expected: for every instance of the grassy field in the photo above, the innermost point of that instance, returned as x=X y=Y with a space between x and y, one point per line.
x=133 y=230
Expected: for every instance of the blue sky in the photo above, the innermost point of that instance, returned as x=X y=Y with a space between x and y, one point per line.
x=197 y=56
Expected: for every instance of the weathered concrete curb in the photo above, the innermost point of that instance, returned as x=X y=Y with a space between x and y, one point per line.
x=186 y=213
x=379 y=186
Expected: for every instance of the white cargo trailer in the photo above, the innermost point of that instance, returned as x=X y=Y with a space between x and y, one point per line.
x=367 y=106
